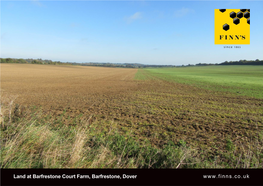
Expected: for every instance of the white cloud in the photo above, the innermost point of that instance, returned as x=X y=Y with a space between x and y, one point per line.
x=3 y=36
x=135 y=16
x=84 y=41
x=37 y=3
x=73 y=25
x=176 y=34
x=231 y=2
x=182 y=12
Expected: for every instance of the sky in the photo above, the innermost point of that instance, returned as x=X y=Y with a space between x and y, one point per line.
x=148 y=32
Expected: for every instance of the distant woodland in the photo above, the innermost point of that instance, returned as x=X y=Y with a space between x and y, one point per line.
x=50 y=62
x=240 y=62
x=122 y=65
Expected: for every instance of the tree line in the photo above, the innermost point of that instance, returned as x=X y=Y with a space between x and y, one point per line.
x=50 y=62
x=240 y=62
x=122 y=65
x=32 y=61
x=243 y=62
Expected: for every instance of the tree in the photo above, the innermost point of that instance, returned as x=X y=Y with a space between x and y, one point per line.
x=2 y=60
x=9 y=60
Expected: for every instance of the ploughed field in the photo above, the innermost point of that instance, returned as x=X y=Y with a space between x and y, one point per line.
x=160 y=105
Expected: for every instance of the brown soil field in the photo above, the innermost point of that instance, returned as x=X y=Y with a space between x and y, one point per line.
x=43 y=85
x=154 y=109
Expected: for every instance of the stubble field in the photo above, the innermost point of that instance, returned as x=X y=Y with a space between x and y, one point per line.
x=142 y=105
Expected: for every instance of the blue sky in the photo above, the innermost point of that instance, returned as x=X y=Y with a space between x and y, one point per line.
x=148 y=32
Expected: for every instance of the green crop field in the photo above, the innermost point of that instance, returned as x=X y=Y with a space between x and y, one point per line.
x=241 y=80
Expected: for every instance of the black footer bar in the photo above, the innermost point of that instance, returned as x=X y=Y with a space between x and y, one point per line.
x=131 y=177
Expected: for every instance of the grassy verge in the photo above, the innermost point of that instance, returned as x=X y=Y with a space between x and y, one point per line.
x=37 y=142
